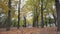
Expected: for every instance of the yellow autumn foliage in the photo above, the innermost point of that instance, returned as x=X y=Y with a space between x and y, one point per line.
x=3 y=6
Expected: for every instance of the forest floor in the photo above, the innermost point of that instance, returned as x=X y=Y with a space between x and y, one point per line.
x=14 y=30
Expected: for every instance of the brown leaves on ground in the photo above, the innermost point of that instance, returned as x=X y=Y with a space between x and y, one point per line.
x=48 y=30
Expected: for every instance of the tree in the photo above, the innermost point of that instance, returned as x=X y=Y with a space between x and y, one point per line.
x=19 y=14
x=42 y=22
x=24 y=21
x=57 y=3
x=35 y=9
x=9 y=16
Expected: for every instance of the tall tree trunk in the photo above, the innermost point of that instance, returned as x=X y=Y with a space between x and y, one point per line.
x=9 y=16
x=55 y=19
x=37 y=20
x=57 y=3
x=19 y=14
x=24 y=21
x=45 y=21
x=36 y=14
x=42 y=24
x=34 y=17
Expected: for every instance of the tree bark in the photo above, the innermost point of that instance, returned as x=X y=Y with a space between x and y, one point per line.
x=58 y=14
x=34 y=17
x=42 y=24
x=24 y=21
x=55 y=21
x=9 y=16
x=19 y=14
